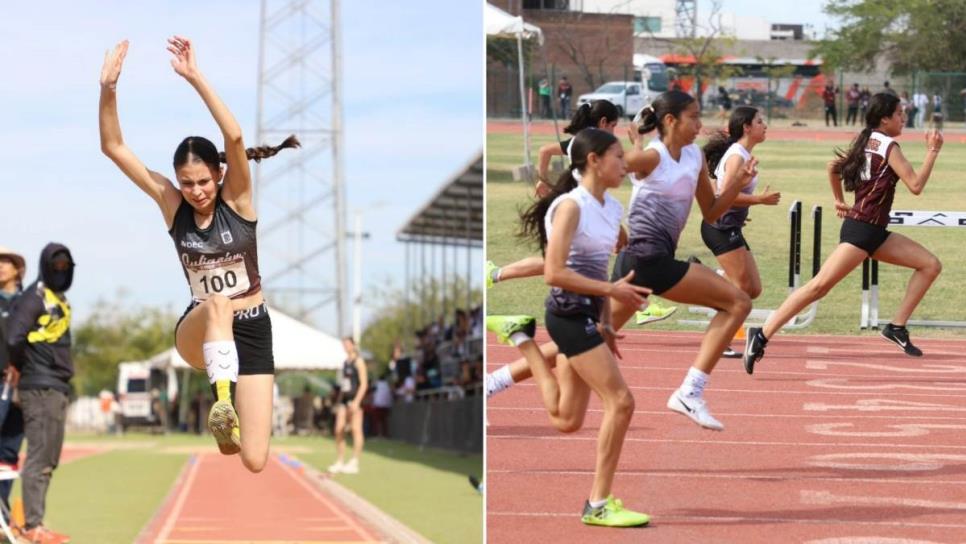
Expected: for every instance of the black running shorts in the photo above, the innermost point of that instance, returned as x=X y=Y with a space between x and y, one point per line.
x=863 y=235
x=722 y=241
x=657 y=274
x=573 y=334
x=252 y=329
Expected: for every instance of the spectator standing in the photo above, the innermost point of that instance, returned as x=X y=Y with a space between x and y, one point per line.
x=864 y=97
x=12 y=268
x=724 y=103
x=564 y=90
x=544 y=91
x=852 y=100
x=937 y=111
x=38 y=337
x=828 y=97
x=920 y=103
x=906 y=104
x=381 y=404
x=886 y=88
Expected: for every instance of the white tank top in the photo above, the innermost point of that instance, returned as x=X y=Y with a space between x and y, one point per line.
x=736 y=215
x=661 y=203
x=590 y=249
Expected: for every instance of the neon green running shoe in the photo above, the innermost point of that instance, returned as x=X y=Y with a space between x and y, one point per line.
x=613 y=514
x=504 y=326
x=490 y=267
x=654 y=312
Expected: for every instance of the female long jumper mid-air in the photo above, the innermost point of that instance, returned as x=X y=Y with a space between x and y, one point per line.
x=226 y=329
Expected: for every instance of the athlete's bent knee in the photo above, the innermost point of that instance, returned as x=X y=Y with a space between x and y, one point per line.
x=933 y=268
x=568 y=425
x=255 y=463
x=741 y=306
x=624 y=404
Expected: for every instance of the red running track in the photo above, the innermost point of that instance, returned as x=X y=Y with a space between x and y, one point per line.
x=217 y=501
x=834 y=439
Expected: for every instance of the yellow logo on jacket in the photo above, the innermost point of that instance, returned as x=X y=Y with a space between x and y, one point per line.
x=54 y=323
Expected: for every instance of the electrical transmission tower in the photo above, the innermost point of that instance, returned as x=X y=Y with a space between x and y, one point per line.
x=299 y=194
x=686 y=18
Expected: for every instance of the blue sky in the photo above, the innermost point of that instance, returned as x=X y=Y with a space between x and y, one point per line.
x=778 y=11
x=412 y=86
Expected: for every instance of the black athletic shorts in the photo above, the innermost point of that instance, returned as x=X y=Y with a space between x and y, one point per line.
x=863 y=235
x=252 y=329
x=657 y=274
x=722 y=241
x=573 y=334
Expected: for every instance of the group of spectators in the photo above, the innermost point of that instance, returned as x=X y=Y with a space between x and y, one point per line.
x=36 y=367
x=446 y=362
x=564 y=94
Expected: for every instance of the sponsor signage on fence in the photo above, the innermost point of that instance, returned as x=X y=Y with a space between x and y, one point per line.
x=916 y=218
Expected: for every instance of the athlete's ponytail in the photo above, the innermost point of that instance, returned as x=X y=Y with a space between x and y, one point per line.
x=589 y=115
x=850 y=164
x=720 y=141
x=587 y=141
x=204 y=150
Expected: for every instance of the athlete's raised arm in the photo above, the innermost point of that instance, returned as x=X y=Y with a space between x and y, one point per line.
x=159 y=188
x=237 y=187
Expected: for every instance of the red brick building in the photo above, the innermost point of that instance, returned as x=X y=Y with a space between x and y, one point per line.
x=589 y=48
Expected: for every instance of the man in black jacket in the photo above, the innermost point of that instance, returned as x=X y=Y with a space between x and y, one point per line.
x=38 y=337
x=12 y=268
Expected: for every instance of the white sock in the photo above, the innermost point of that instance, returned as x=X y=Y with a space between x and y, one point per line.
x=519 y=338
x=694 y=383
x=597 y=504
x=495 y=274
x=498 y=381
x=221 y=360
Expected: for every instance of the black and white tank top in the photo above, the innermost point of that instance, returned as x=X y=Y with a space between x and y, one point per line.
x=590 y=249
x=736 y=215
x=221 y=259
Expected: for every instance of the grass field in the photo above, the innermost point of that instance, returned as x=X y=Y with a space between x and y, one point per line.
x=797 y=170
x=107 y=498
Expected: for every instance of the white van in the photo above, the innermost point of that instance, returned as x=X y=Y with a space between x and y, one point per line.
x=134 y=394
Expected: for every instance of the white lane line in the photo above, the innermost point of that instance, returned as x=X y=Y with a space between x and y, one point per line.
x=707 y=442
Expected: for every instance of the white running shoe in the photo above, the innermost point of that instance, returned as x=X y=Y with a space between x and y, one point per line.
x=695 y=408
x=337 y=467
x=352 y=467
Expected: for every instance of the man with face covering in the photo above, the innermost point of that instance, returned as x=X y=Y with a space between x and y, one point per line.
x=38 y=337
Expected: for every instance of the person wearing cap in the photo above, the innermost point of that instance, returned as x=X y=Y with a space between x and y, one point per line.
x=38 y=338
x=12 y=268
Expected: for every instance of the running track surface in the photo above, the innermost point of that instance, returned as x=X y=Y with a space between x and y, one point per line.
x=833 y=440
x=217 y=501
x=840 y=134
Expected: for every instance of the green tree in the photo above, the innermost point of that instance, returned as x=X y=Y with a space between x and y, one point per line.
x=910 y=35
x=113 y=334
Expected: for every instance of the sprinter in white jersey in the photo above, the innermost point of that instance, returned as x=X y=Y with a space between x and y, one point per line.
x=226 y=329
x=727 y=153
x=671 y=172
x=576 y=225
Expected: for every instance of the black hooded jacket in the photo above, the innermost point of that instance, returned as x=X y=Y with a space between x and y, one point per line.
x=38 y=328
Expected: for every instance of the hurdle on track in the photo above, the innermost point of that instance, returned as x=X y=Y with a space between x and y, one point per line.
x=760 y=315
x=869 y=314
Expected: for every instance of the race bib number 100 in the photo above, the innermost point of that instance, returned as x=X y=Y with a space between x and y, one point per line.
x=228 y=279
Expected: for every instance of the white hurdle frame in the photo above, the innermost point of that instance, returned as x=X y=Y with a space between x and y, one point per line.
x=759 y=316
x=869 y=314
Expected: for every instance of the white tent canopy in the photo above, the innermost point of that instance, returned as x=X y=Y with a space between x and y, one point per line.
x=500 y=24
x=296 y=345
